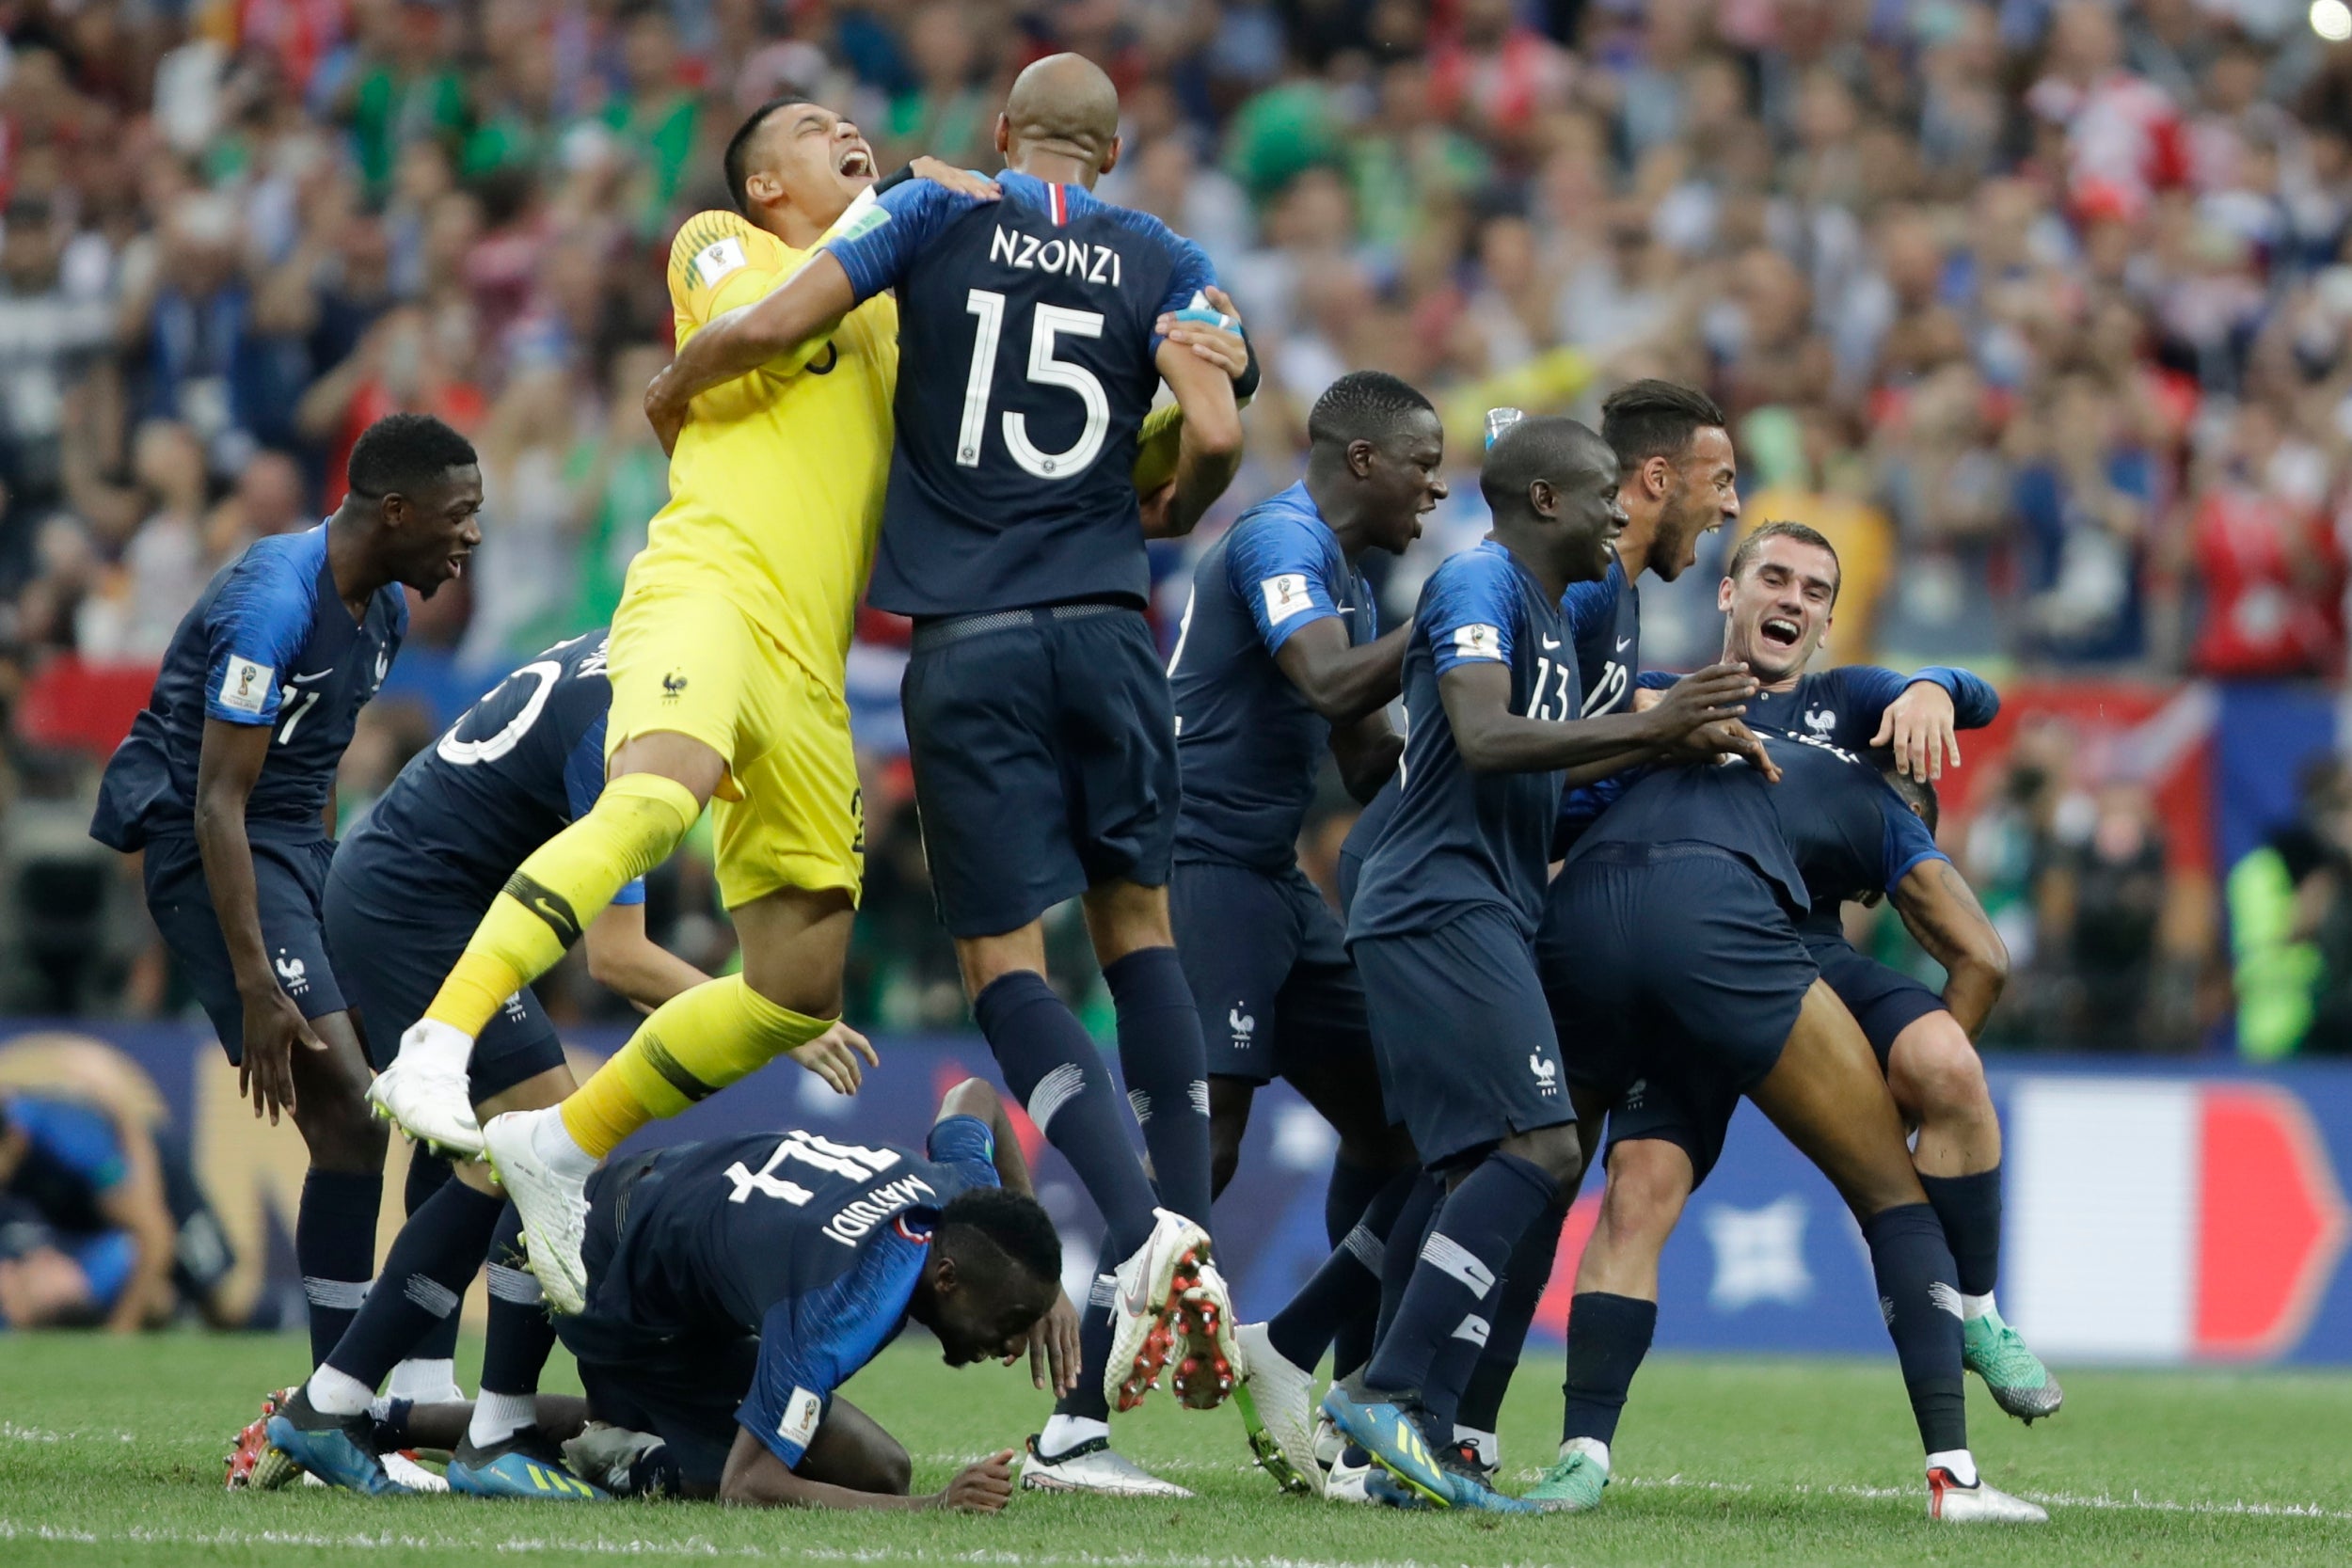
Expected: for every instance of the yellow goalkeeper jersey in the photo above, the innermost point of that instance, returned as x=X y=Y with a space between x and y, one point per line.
x=776 y=486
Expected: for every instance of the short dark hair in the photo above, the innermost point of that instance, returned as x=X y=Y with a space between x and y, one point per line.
x=1650 y=418
x=735 y=162
x=1542 y=446
x=1364 y=405
x=1016 y=1227
x=1801 y=535
x=1918 y=794
x=404 y=453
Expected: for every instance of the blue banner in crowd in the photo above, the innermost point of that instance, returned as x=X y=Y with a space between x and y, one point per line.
x=2155 y=1214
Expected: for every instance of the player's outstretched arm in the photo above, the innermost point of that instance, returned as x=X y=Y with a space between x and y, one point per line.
x=977 y=1098
x=1923 y=714
x=1210 y=454
x=624 y=960
x=756 y=1478
x=227 y=765
x=1493 y=740
x=1342 y=681
x=1940 y=911
x=809 y=304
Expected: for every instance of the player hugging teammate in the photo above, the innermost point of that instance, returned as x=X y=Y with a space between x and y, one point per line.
x=1470 y=1032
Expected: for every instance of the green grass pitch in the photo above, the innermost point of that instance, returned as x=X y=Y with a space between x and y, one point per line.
x=110 y=1453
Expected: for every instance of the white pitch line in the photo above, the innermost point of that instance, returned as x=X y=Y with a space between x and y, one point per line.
x=2136 y=1503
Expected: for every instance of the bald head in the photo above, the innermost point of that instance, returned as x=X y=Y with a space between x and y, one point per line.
x=1064 y=105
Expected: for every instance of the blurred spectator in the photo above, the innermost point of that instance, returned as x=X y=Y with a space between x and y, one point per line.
x=2281 y=895
x=2100 y=904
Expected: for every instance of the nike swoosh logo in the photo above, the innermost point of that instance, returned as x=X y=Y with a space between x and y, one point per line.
x=1551 y=642
x=1132 y=1301
x=1624 y=642
x=314 y=676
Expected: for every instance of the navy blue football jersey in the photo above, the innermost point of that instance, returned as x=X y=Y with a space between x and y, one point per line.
x=813 y=1245
x=1605 y=624
x=1250 y=743
x=1844 y=706
x=1025 y=344
x=1457 y=837
x=268 y=642
x=71 y=1159
x=516 y=770
x=1831 y=830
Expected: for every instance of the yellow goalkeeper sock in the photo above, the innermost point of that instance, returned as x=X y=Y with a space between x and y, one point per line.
x=552 y=897
x=695 y=1044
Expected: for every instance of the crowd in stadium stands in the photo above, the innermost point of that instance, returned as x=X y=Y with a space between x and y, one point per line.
x=2040 y=313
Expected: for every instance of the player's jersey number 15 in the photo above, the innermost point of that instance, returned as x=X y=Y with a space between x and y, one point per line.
x=1047 y=323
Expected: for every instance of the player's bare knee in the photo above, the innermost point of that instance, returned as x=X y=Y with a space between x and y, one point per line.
x=1554 y=1150
x=1649 y=1181
x=985 y=961
x=1936 y=1074
x=1126 y=917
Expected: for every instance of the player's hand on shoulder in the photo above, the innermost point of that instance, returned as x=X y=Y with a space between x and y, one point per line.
x=1922 y=727
x=961 y=181
x=1703 y=697
x=275 y=1029
x=1726 y=740
x=983 y=1486
x=833 y=1057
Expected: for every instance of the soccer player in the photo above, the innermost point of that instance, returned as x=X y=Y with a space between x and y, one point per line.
x=1441 y=925
x=1278 y=659
x=1778 y=598
x=727 y=665
x=1035 y=334
x=227 y=782
x=1678 y=983
x=735 y=1285
x=405 y=892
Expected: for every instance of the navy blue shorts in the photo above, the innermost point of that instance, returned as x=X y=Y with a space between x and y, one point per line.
x=393 y=964
x=1269 y=970
x=289 y=880
x=1044 y=752
x=1885 y=1002
x=1464 y=1044
x=1678 y=1108
x=1670 y=962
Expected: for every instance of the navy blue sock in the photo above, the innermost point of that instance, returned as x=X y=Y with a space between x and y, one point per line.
x=428 y=1174
x=521 y=1334
x=432 y=1259
x=1522 y=1292
x=1340 y=1299
x=1052 y=1066
x=1969 y=1209
x=1086 y=1401
x=335 y=1249
x=1451 y=1296
x=1166 y=1068
x=1913 y=1270
x=1608 y=1337
x=1403 y=1248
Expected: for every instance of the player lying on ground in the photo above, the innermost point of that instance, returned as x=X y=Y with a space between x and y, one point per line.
x=90 y=1172
x=1035 y=334
x=734 y=1285
x=1441 y=925
x=405 y=892
x=1675 y=975
x=1279 y=661
x=227 y=782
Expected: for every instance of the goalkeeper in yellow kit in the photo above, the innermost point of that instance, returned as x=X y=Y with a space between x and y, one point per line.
x=727 y=664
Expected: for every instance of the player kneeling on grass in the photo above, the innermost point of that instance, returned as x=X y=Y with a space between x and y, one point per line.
x=734 y=1285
